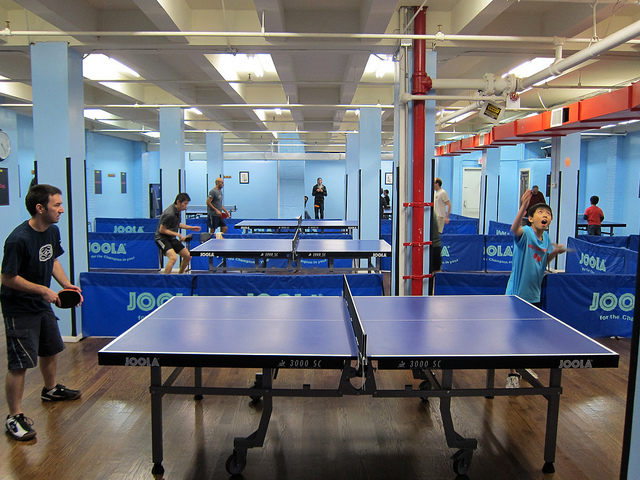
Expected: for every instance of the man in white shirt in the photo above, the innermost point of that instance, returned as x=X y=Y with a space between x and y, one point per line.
x=441 y=204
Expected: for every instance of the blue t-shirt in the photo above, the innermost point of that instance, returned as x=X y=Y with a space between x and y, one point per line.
x=529 y=264
x=31 y=255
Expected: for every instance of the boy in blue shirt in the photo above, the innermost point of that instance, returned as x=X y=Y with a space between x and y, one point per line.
x=532 y=252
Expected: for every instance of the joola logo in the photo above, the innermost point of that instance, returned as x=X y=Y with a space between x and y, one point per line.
x=445 y=252
x=146 y=302
x=575 y=364
x=108 y=248
x=127 y=229
x=141 y=362
x=593 y=262
x=608 y=302
x=497 y=251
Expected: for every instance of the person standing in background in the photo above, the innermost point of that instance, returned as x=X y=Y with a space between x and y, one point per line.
x=216 y=213
x=537 y=197
x=319 y=191
x=594 y=217
x=441 y=204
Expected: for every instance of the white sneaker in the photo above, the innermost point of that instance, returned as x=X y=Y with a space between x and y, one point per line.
x=513 y=380
x=19 y=427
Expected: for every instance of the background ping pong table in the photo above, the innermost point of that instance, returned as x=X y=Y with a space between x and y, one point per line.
x=581 y=224
x=431 y=336
x=263 y=249
x=281 y=225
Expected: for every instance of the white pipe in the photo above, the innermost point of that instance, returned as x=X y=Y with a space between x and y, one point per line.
x=469 y=108
x=406 y=98
x=439 y=38
x=618 y=38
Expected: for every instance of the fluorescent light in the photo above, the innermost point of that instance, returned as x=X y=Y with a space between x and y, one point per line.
x=278 y=111
x=235 y=67
x=152 y=134
x=194 y=110
x=381 y=65
x=531 y=67
x=100 y=67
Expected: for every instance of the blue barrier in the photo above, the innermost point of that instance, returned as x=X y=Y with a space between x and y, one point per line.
x=126 y=225
x=497 y=228
x=606 y=240
x=115 y=302
x=462 y=253
x=585 y=257
x=634 y=241
x=470 y=283
x=597 y=305
x=630 y=262
x=123 y=251
x=461 y=226
x=498 y=253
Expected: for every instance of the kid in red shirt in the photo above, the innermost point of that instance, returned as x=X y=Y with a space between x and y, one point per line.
x=594 y=217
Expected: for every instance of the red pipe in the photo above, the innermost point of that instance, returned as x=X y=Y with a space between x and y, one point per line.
x=420 y=87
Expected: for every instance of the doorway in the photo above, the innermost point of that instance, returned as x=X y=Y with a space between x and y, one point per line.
x=471 y=179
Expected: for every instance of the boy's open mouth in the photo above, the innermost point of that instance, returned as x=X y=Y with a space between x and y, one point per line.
x=544 y=223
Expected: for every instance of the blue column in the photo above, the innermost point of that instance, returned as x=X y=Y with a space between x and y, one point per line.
x=58 y=131
x=565 y=162
x=351 y=168
x=370 y=157
x=215 y=158
x=171 y=153
x=489 y=189
x=291 y=189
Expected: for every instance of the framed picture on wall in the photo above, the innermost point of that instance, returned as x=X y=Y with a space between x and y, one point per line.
x=244 y=177
x=388 y=178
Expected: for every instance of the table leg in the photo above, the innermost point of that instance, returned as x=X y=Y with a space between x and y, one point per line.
x=238 y=459
x=156 y=421
x=553 y=412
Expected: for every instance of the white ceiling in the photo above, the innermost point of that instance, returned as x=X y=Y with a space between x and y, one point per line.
x=321 y=75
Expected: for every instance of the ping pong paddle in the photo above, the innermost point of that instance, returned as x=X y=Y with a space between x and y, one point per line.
x=188 y=238
x=224 y=216
x=68 y=298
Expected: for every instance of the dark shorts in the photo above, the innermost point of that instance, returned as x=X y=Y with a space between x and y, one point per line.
x=215 y=221
x=172 y=244
x=594 y=230
x=436 y=258
x=31 y=337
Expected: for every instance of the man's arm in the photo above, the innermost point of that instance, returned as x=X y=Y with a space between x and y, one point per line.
x=165 y=231
x=448 y=205
x=195 y=228
x=19 y=283
x=210 y=205
x=516 y=227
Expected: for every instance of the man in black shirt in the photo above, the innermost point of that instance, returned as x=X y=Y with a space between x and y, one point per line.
x=30 y=259
x=319 y=191
x=169 y=228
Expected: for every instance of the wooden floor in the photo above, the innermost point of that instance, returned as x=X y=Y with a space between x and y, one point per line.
x=106 y=434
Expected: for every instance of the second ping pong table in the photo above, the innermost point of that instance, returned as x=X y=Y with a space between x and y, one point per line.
x=283 y=225
x=263 y=249
x=364 y=337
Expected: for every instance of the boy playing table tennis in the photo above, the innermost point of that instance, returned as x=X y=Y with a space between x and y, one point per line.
x=532 y=252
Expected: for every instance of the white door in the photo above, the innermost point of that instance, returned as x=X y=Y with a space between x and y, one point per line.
x=471 y=178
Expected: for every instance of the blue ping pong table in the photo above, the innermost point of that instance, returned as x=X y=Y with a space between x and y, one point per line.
x=365 y=337
x=262 y=249
x=281 y=225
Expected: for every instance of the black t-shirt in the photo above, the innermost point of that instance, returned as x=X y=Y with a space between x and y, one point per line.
x=31 y=255
x=170 y=218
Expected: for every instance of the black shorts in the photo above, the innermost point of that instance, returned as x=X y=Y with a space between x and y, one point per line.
x=215 y=221
x=435 y=258
x=170 y=244
x=31 y=337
